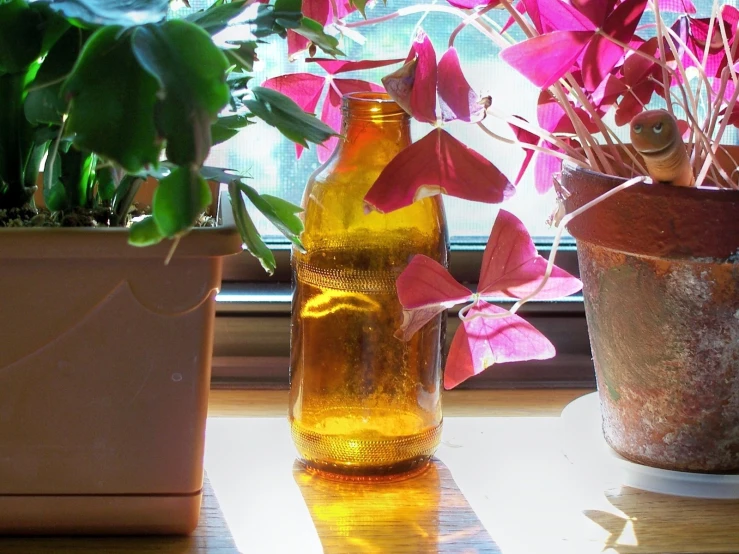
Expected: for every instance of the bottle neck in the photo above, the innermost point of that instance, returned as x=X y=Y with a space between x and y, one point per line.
x=374 y=129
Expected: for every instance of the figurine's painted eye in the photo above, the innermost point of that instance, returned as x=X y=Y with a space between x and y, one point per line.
x=638 y=128
x=657 y=127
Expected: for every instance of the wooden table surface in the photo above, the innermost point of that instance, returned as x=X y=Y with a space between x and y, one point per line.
x=501 y=483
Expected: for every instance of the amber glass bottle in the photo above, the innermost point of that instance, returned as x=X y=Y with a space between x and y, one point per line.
x=363 y=403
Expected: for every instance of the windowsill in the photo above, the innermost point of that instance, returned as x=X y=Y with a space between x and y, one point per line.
x=501 y=483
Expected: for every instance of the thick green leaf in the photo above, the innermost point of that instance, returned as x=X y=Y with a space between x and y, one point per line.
x=112 y=101
x=313 y=31
x=126 y=13
x=145 y=233
x=243 y=56
x=216 y=18
x=54 y=194
x=106 y=178
x=249 y=234
x=220 y=175
x=279 y=212
x=124 y=195
x=228 y=126
x=361 y=5
x=44 y=103
x=277 y=19
x=281 y=112
x=178 y=201
x=21 y=42
x=191 y=72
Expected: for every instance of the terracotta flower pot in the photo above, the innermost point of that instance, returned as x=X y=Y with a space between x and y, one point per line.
x=660 y=267
x=104 y=379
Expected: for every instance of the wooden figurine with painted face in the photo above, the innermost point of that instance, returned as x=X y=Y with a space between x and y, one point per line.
x=655 y=135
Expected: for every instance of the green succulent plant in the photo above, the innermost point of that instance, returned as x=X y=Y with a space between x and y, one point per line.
x=114 y=92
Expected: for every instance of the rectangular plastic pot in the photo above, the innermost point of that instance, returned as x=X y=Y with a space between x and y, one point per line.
x=104 y=375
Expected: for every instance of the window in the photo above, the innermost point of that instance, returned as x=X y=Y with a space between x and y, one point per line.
x=252 y=330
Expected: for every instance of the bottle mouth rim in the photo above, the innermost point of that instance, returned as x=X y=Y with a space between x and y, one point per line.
x=372 y=104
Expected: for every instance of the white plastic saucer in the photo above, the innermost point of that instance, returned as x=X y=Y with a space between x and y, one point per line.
x=585 y=445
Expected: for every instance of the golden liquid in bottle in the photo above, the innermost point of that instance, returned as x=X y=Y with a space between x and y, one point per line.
x=363 y=403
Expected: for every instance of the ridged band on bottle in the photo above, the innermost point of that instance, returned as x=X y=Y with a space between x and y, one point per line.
x=368 y=453
x=347 y=279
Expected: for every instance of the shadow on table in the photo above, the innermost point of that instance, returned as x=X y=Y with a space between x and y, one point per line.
x=661 y=523
x=423 y=514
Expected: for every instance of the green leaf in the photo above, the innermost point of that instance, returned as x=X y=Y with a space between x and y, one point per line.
x=111 y=110
x=54 y=194
x=145 y=233
x=279 y=212
x=44 y=103
x=244 y=56
x=313 y=31
x=124 y=195
x=106 y=177
x=220 y=175
x=21 y=42
x=361 y=5
x=178 y=201
x=191 y=72
x=277 y=19
x=126 y=13
x=249 y=234
x=217 y=17
x=281 y=112
x=228 y=126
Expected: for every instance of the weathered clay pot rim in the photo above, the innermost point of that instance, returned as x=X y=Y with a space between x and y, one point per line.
x=716 y=193
x=87 y=242
x=653 y=219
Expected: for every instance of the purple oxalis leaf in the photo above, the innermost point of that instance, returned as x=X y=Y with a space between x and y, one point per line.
x=482 y=342
x=425 y=289
x=602 y=55
x=512 y=267
x=545 y=59
x=456 y=97
x=437 y=164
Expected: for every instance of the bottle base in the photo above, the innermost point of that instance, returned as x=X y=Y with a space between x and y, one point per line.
x=362 y=454
x=395 y=472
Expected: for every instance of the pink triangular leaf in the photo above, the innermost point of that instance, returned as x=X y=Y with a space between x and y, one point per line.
x=545 y=59
x=425 y=289
x=602 y=54
x=482 y=342
x=677 y=6
x=548 y=16
x=344 y=66
x=303 y=88
x=470 y=4
x=438 y=163
x=423 y=93
x=524 y=137
x=456 y=97
x=512 y=267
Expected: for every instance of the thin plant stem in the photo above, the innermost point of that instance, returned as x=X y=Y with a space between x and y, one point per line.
x=717 y=139
x=586 y=139
x=660 y=43
x=538 y=131
x=527 y=29
x=533 y=147
x=470 y=18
